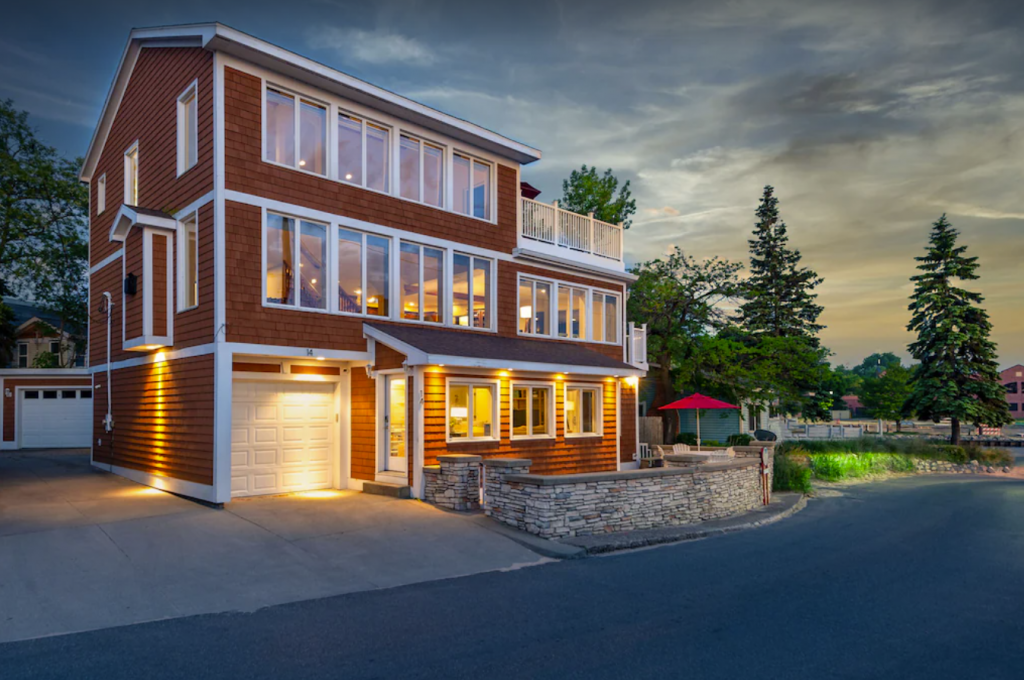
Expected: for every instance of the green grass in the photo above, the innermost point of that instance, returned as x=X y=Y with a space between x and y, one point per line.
x=832 y=467
x=789 y=475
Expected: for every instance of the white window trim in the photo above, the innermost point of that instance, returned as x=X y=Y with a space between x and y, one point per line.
x=492 y=189
x=296 y=112
x=618 y=315
x=101 y=194
x=553 y=311
x=191 y=91
x=22 y=345
x=394 y=286
x=396 y=128
x=492 y=296
x=598 y=389
x=442 y=300
x=553 y=426
x=587 y=331
x=182 y=263
x=297 y=254
x=133 y=149
x=423 y=142
x=495 y=408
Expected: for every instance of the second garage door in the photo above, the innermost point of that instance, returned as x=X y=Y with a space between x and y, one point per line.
x=56 y=417
x=282 y=437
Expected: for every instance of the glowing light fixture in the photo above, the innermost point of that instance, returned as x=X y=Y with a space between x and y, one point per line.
x=319 y=358
x=302 y=164
x=460 y=412
x=526 y=312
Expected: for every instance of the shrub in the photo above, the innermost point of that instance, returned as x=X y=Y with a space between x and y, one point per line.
x=833 y=467
x=739 y=440
x=709 y=442
x=788 y=475
x=686 y=438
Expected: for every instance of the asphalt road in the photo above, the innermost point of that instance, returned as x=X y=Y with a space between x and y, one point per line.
x=912 y=578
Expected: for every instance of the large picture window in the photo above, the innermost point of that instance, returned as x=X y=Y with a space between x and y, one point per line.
x=472 y=187
x=472 y=411
x=363 y=151
x=471 y=291
x=582 y=410
x=292 y=248
x=534 y=307
x=296 y=132
x=422 y=282
x=532 y=411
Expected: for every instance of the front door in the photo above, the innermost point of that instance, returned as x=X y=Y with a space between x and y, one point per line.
x=396 y=459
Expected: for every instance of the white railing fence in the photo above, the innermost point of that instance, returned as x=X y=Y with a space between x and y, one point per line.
x=637 y=344
x=564 y=228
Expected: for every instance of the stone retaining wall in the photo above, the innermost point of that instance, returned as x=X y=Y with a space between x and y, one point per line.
x=946 y=467
x=603 y=502
x=454 y=483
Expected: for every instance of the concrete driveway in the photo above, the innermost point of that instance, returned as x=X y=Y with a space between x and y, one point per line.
x=82 y=549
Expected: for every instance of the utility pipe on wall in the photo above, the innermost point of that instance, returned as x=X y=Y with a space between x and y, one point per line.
x=108 y=420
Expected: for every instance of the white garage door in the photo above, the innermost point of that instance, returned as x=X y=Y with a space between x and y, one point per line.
x=54 y=418
x=282 y=437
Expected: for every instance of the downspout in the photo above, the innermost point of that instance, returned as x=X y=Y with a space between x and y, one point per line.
x=108 y=420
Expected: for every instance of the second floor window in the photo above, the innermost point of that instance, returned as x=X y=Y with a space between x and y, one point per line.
x=296 y=262
x=572 y=312
x=296 y=132
x=471 y=291
x=131 y=175
x=189 y=254
x=534 y=307
x=605 y=317
x=363 y=266
x=22 y=355
x=422 y=281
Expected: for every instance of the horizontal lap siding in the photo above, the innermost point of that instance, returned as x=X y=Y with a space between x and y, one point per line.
x=549 y=456
x=132 y=311
x=160 y=283
x=195 y=326
x=163 y=419
x=149 y=113
x=363 y=399
x=245 y=171
x=11 y=402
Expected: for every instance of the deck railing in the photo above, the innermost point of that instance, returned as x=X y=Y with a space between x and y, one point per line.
x=582 y=233
x=637 y=344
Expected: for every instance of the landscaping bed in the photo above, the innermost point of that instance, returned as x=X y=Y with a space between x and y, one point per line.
x=797 y=463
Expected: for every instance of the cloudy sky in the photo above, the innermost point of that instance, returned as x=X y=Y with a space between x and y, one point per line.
x=870 y=118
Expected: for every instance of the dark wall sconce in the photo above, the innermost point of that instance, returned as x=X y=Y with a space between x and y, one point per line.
x=131 y=284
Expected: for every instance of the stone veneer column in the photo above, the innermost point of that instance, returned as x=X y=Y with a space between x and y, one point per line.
x=457 y=483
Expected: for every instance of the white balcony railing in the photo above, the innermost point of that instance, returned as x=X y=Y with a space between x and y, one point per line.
x=563 y=228
x=636 y=345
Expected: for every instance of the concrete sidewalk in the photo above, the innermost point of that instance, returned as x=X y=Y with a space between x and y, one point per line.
x=82 y=549
x=783 y=505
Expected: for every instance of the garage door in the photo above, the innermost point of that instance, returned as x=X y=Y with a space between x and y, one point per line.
x=282 y=437
x=55 y=418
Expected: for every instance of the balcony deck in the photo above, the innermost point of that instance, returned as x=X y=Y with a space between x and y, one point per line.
x=565 y=233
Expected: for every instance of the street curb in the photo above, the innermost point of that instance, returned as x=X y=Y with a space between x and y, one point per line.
x=541 y=546
x=641 y=541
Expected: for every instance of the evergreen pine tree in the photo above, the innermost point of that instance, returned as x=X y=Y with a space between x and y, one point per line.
x=958 y=377
x=779 y=297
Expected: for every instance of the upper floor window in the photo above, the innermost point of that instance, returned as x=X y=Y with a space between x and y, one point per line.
x=188 y=256
x=296 y=257
x=188 y=129
x=471 y=185
x=422 y=281
x=605 y=312
x=363 y=273
x=534 y=307
x=55 y=347
x=363 y=153
x=1011 y=388
x=22 y=355
x=296 y=132
x=131 y=175
x=101 y=194
x=572 y=312
x=471 y=291
x=421 y=169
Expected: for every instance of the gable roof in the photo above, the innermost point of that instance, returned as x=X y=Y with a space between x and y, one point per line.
x=435 y=346
x=25 y=311
x=219 y=37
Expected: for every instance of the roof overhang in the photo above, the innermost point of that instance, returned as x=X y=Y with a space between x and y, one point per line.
x=218 y=37
x=544 y=258
x=129 y=215
x=416 y=356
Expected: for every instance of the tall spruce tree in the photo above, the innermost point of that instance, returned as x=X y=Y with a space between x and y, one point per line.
x=779 y=292
x=958 y=377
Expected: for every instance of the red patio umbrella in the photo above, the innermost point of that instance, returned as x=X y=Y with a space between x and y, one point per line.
x=696 y=402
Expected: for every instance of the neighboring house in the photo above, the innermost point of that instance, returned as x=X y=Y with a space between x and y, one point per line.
x=1013 y=380
x=317 y=283
x=37 y=334
x=715 y=424
x=43 y=407
x=853 y=405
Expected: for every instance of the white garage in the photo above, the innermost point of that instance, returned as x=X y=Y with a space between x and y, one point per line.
x=283 y=436
x=55 y=417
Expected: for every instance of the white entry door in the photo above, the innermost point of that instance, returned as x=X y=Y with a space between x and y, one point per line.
x=282 y=437
x=395 y=458
x=54 y=418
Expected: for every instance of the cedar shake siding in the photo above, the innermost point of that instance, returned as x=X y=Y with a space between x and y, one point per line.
x=246 y=172
x=10 y=403
x=363 y=427
x=163 y=419
x=149 y=113
x=550 y=456
x=627 y=441
x=385 y=357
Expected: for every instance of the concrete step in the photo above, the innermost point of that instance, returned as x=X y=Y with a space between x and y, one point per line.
x=387 y=489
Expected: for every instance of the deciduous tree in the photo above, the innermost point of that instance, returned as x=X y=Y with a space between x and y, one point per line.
x=587 y=192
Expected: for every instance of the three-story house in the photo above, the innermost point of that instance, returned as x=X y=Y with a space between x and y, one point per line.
x=300 y=280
